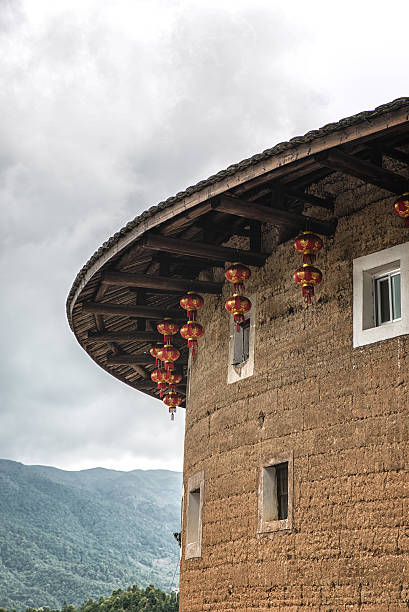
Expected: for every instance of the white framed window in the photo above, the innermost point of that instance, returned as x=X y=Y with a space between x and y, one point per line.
x=381 y=295
x=241 y=346
x=275 y=505
x=194 y=511
x=387 y=297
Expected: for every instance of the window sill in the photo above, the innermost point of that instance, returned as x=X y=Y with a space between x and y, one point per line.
x=272 y=526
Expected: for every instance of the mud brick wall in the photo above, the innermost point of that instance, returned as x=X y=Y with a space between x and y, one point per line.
x=343 y=412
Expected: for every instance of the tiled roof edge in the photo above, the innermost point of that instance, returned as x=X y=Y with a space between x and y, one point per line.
x=329 y=128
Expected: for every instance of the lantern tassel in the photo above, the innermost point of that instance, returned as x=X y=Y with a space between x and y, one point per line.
x=406 y=221
x=238 y=287
x=193 y=345
x=238 y=319
x=308 y=259
x=308 y=293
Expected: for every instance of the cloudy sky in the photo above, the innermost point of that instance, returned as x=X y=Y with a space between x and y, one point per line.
x=107 y=108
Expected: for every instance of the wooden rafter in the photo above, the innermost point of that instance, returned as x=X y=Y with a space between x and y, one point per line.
x=137 y=359
x=160 y=283
x=366 y=171
x=123 y=336
x=123 y=310
x=202 y=250
x=235 y=206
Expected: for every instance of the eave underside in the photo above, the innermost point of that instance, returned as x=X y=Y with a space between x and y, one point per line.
x=115 y=313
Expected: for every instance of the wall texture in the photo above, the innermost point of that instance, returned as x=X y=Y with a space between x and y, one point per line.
x=343 y=412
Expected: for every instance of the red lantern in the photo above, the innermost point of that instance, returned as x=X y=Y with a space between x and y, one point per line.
x=191 y=302
x=155 y=351
x=192 y=331
x=173 y=379
x=238 y=305
x=401 y=208
x=168 y=328
x=237 y=274
x=159 y=376
x=308 y=244
x=169 y=355
x=173 y=400
x=307 y=276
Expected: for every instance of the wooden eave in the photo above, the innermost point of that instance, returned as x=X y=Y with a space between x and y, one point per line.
x=138 y=276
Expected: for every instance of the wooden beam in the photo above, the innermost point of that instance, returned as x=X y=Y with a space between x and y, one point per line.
x=123 y=310
x=202 y=250
x=395 y=154
x=141 y=359
x=327 y=203
x=186 y=218
x=162 y=283
x=370 y=173
x=125 y=359
x=124 y=336
x=235 y=206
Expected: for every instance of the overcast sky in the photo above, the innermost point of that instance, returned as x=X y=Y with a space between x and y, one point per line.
x=107 y=108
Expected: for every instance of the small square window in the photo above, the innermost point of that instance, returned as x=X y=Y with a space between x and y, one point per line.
x=275 y=495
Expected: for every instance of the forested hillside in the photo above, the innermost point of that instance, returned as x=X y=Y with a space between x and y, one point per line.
x=69 y=536
x=132 y=600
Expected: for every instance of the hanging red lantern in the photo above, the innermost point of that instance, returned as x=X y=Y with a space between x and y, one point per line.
x=238 y=305
x=155 y=352
x=401 y=208
x=308 y=244
x=159 y=376
x=167 y=328
x=173 y=378
x=237 y=274
x=307 y=276
x=169 y=355
x=192 y=331
x=191 y=302
x=173 y=400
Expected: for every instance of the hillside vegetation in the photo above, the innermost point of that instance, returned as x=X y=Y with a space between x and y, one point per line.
x=132 y=600
x=69 y=536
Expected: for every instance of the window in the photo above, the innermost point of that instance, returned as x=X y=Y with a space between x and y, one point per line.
x=241 y=347
x=194 y=510
x=381 y=295
x=387 y=297
x=241 y=343
x=276 y=494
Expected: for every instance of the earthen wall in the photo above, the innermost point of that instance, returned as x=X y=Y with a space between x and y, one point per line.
x=342 y=412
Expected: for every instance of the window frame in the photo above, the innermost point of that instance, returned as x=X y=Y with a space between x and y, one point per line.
x=193 y=549
x=366 y=271
x=266 y=526
x=239 y=371
x=377 y=279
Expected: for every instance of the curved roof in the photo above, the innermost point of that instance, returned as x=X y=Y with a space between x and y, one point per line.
x=272 y=187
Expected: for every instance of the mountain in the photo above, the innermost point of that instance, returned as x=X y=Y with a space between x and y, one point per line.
x=71 y=536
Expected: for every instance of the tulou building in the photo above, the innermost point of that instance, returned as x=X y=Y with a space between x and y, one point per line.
x=296 y=488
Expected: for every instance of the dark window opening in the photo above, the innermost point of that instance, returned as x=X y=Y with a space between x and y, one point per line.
x=242 y=343
x=282 y=490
